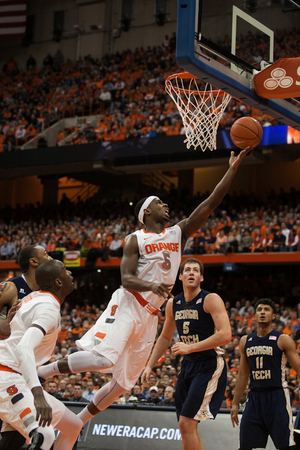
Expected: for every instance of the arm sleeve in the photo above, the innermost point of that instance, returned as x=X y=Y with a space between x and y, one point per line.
x=46 y=317
x=25 y=355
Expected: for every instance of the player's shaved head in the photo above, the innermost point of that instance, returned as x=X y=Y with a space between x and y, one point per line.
x=47 y=273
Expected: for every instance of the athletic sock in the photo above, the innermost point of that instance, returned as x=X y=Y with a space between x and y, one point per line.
x=85 y=415
x=49 y=370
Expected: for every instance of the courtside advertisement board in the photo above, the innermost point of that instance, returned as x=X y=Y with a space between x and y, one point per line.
x=137 y=427
x=119 y=428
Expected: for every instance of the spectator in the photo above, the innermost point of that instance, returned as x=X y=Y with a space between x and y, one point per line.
x=62 y=392
x=77 y=394
x=56 y=355
x=199 y=243
x=234 y=240
x=293 y=240
x=222 y=244
x=279 y=242
x=116 y=246
x=137 y=392
x=31 y=63
x=52 y=389
x=246 y=242
x=90 y=391
x=127 y=397
x=169 y=400
x=70 y=392
x=153 y=395
x=6 y=251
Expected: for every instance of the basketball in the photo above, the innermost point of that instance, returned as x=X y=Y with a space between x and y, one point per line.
x=246 y=132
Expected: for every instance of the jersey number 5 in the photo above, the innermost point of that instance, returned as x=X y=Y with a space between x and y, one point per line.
x=167 y=264
x=186 y=327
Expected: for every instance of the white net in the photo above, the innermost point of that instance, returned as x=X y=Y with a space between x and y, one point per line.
x=200 y=107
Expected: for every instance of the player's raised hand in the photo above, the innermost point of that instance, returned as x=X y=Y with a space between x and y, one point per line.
x=235 y=161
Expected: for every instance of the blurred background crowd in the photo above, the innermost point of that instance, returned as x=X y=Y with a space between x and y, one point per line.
x=98 y=228
x=125 y=90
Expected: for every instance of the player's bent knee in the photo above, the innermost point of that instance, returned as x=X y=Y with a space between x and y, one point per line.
x=186 y=424
x=41 y=438
x=98 y=362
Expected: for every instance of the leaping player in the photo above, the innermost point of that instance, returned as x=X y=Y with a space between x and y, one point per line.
x=121 y=340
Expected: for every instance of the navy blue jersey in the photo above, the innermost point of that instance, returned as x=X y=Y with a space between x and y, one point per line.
x=21 y=285
x=193 y=323
x=266 y=361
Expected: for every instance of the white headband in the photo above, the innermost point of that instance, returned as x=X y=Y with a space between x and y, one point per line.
x=145 y=206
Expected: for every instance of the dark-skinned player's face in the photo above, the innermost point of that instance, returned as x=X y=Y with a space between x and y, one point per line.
x=41 y=254
x=264 y=314
x=159 y=210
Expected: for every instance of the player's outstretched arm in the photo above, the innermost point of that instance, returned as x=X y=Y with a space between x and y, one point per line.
x=162 y=342
x=128 y=272
x=200 y=215
x=240 y=384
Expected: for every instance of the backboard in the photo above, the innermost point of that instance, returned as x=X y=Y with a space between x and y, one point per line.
x=222 y=41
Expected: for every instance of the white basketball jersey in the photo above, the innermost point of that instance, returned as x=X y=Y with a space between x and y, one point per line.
x=39 y=308
x=160 y=257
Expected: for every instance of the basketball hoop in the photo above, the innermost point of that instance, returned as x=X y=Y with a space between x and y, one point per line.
x=200 y=107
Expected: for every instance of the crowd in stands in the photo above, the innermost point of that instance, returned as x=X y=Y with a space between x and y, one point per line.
x=127 y=88
x=98 y=229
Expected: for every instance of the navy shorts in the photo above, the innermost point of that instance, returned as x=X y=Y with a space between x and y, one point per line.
x=267 y=413
x=200 y=388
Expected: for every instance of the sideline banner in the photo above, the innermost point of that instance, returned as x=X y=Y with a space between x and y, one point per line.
x=72 y=258
x=121 y=428
x=135 y=427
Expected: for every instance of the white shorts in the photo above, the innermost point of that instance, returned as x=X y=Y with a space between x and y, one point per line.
x=17 y=408
x=124 y=334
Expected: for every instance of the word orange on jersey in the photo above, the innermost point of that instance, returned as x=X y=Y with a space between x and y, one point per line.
x=152 y=248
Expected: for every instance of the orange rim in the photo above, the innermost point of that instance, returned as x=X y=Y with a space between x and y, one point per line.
x=189 y=76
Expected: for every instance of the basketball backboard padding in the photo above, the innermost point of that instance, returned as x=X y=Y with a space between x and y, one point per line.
x=190 y=58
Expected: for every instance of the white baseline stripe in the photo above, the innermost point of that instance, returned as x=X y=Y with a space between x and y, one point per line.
x=9 y=8
x=12 y=30
x=13 y=19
